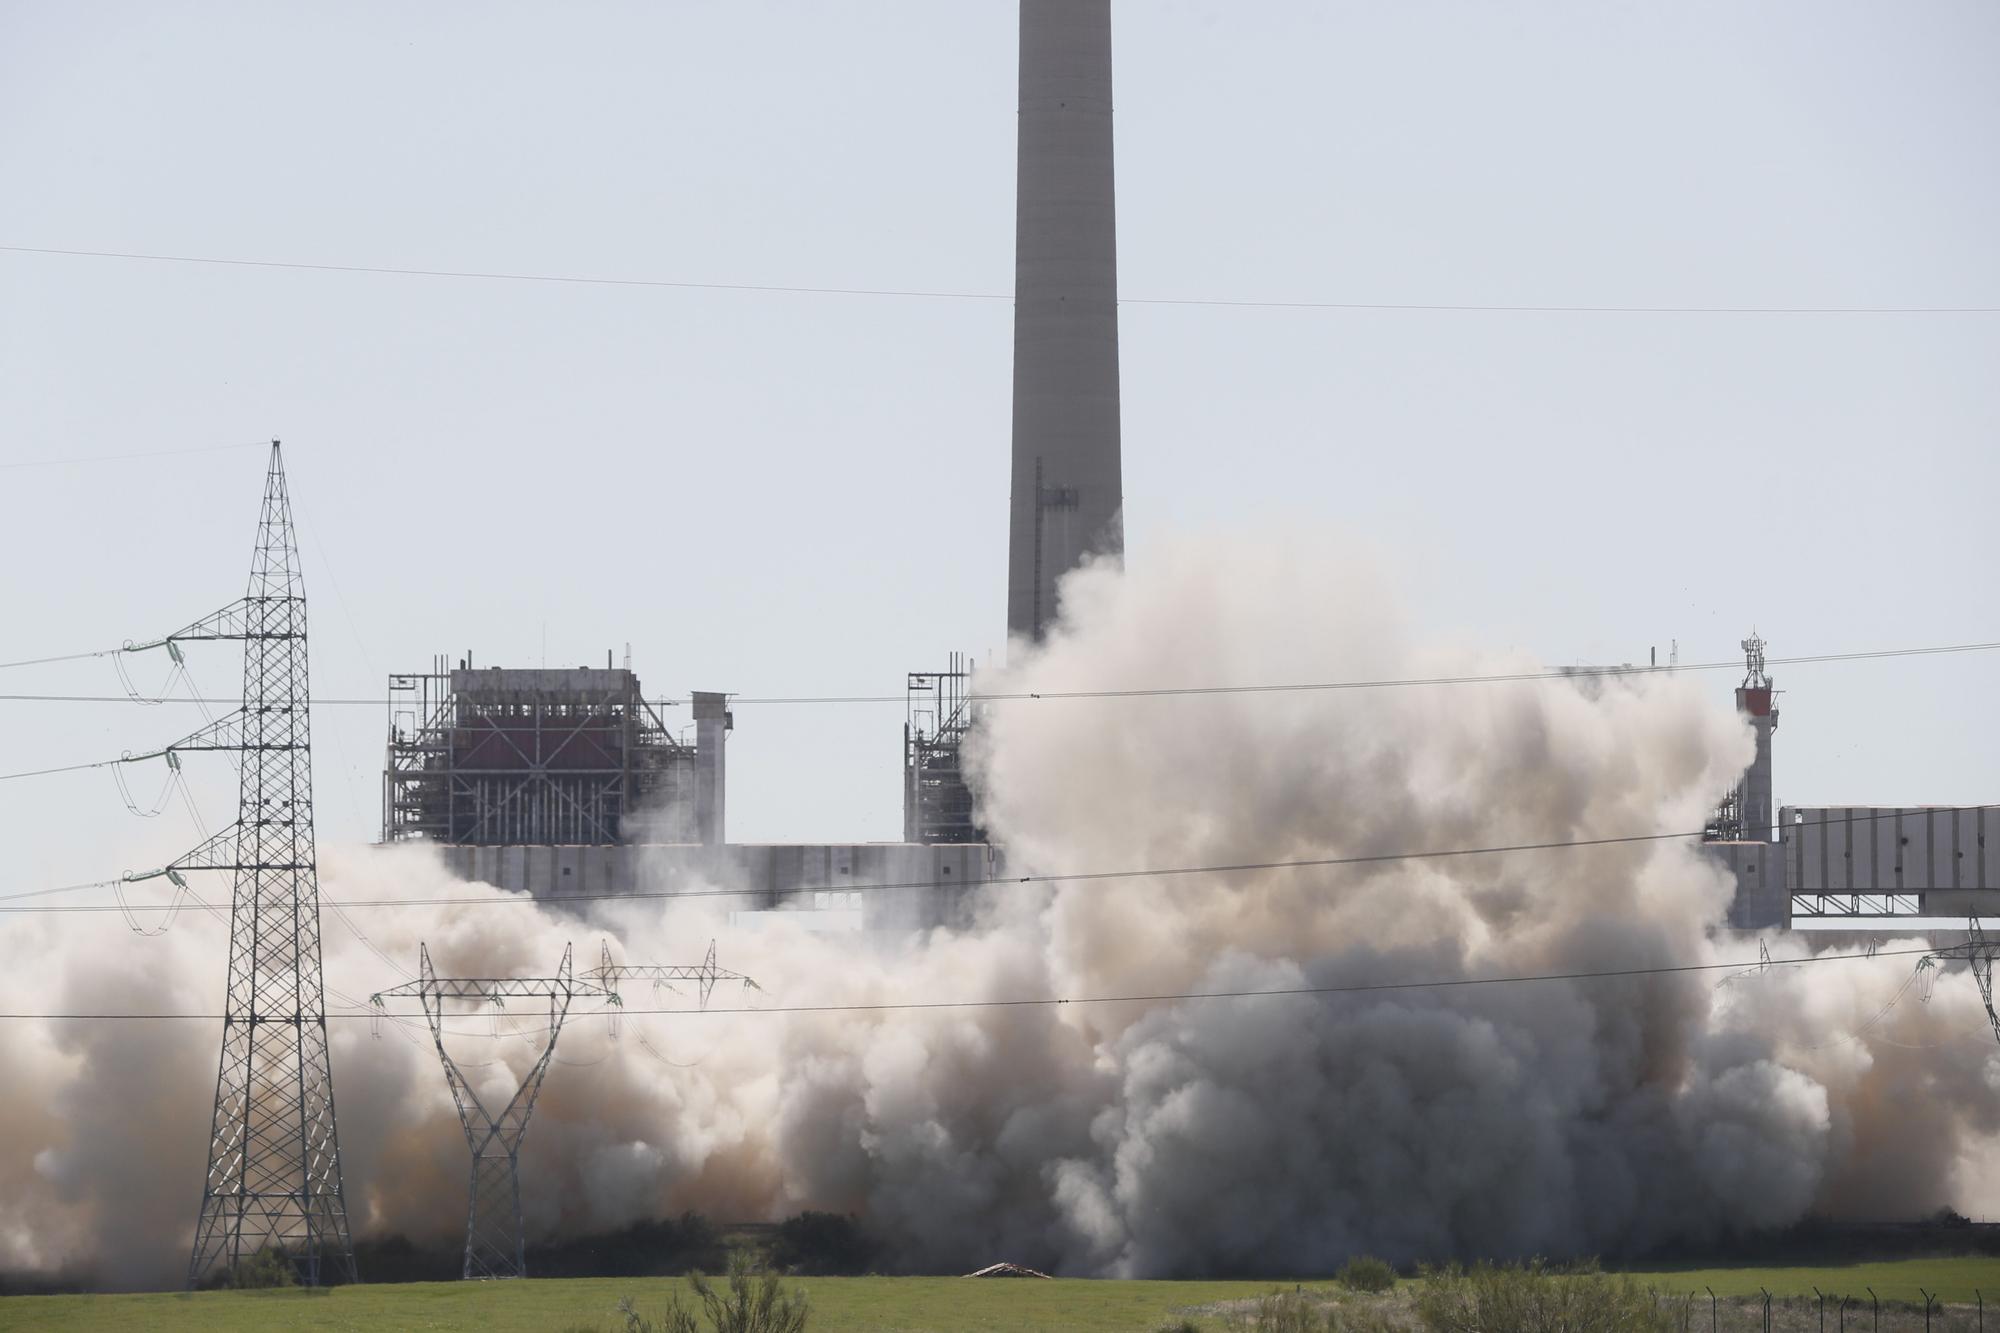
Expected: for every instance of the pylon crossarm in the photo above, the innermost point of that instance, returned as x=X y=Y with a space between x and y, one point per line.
x=218 y=851
x=608 y=974
x=238 y=620
x=224 y=734
x=495 y=990
x=229 y=732
x=1978 y=954
x=664 y=973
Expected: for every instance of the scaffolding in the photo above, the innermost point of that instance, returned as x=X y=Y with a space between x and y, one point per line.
x=937 y=803
x=542 y=757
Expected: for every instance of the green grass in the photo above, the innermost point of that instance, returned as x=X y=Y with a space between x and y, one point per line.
x=840 y=1305
x=1950 y=1280
x=849 y=1305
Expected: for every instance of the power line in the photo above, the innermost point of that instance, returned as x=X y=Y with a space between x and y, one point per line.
x=1052 y=1001
x=127 y=458
x=63 y=768
x=1151 y=872
x=1023 y=696
x=65 y=657
x=1556 y=673
x=63 y=888
x=1150 y=692
x=946 y=295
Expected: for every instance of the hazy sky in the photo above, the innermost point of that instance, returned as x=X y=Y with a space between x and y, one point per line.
x=782 y=493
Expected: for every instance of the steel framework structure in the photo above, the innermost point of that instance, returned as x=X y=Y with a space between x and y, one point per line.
x=501 y=757
x=937 y=801
x=273 y=1177
x=704 y=974
x=1744 y=815
x=494 y=1243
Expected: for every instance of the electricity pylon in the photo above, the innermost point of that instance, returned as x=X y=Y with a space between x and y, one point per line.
x=1977 y=953
x=274 y=1157
x=494 y=1245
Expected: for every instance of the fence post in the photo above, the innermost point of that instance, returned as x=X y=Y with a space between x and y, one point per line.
x=1822 y=1308
x=1927 y=1309
x=1711 y=1308
x=1767 y=1309
x=1878 y=1307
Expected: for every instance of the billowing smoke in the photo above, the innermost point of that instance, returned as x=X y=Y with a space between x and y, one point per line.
x=1134 y=1136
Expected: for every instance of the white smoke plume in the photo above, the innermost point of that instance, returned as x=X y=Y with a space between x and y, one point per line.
x=1138 y=1137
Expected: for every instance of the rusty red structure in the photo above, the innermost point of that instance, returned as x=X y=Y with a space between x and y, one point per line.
x=503 y=756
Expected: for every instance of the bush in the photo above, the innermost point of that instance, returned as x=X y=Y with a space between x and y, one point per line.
x=1364 y=1272
x=644 y=1249
x=1179 y=1326
x=822 y=1244
x=1281 y=1312
x=1533 y=1297
x=268 y=1268
x=753 y=1301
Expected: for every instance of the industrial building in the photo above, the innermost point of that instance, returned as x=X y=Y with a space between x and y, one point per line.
x=567 y=783
x=494 y=757
x=1845 y=868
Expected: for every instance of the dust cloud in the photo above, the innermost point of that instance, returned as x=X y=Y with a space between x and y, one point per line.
x=1137 y=1136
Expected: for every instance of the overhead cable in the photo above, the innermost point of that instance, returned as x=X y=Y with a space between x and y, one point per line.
x=1151 y=872
x=1052 y=1001
x=65 y=657
x=63 y=768
x=129 y=458
x=947 y=295
x=1164 y=691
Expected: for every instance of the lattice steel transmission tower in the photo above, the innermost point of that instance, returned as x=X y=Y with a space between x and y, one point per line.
x=1978 y=954
x=494 y=1245
x=274 y=1157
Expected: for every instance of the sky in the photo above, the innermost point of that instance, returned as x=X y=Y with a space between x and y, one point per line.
x=783 y=493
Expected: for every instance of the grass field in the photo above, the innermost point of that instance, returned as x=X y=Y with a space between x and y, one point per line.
x=852 y=1305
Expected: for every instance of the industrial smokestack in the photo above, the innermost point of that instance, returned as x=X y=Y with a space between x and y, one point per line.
x=1068 y=498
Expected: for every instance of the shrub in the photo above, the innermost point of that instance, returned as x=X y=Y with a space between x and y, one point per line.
x=1179 y=1326
x=1364 y=1272
x=675 y=1320
x=269 y=1267
x=644 y=1249
x=1528 y=1298
x=751 y=1301
x=1339 y=1320
x=1282 y=1312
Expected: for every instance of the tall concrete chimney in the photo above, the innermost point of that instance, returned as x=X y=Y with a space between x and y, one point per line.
x=1068 y=499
